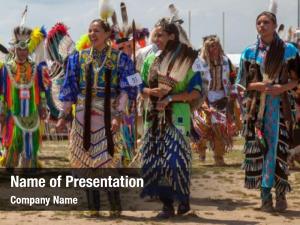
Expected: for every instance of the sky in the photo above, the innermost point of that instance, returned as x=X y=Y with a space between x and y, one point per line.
x=206 y=16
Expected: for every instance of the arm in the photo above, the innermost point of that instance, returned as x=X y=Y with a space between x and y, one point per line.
x=45 y=86
x=129 y=85
x=294 y=77
x=146 y=91
x=70 y=88
x=192 y=93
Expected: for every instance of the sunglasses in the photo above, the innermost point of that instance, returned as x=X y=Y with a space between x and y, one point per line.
x=22 y=44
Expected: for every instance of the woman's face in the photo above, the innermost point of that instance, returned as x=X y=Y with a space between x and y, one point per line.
x=162 y=38
x=97 y=35
x=265 y=26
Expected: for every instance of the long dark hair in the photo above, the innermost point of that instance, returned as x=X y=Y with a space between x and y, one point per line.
x=275 y=55
x=171 y=28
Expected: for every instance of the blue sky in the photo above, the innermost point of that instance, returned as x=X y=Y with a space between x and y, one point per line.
x=206 y=16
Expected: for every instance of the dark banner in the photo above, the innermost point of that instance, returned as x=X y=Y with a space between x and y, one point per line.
x=72 y=189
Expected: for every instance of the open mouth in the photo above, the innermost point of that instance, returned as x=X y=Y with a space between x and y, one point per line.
x=93 y=39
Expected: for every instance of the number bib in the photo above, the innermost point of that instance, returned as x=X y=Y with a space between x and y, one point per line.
x=24 y=94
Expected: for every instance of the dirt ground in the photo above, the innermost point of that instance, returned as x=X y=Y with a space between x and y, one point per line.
x=217 y=196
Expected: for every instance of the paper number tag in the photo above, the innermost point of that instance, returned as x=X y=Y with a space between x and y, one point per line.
x=24 y=94
x=134 y=80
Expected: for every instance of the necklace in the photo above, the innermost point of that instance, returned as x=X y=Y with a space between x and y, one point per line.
x=21 y=75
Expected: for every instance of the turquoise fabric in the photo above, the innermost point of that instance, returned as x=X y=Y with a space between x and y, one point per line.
x=271 y=129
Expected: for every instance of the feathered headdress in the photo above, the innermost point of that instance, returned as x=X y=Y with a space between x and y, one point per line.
x=59 y=44
x=178 y=21
x=124 y=32
x=21 y=34
x=3 y=52
x=26 y=38
x=273 y=6
x=21 y=37
x=37 y=37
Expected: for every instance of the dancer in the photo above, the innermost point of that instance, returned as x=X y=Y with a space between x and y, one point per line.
x=268 y=70
x=24 y=86
x=98 y=81
x=213 y=121
x=171 y=86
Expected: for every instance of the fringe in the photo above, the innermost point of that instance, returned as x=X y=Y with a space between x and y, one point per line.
x=253 y=164
x=252 y=147
x=253 y=182
x=97 y=156
x=166 y=163
x=283 y=166
x=282 y=185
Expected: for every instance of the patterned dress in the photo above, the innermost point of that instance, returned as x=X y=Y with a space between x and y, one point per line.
x=166 y=153
x=24 y=90
x=268 y=167
x=73 y=92
x=216 y=127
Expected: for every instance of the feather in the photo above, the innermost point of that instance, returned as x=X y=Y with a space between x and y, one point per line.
x=83 y=43
x=281 y=31
x=183 y=38
x=66 y=46
x=290 y=34
x=36 y=44
x=273 y=6
x=37 y=36
x=59 y=44
x=2 y=58
x=58 y=28
x=21 y=34
x=105 y=9
x=124 y=14
x=281 y=28
x=3 y=49
x=175 y=14
x=114 y=19
x=24 y=15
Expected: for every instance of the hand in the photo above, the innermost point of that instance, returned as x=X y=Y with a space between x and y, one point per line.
x=205 y=107
x=115 y=125
x=158 y=92
x=161 y=105
x=274 y=90
x=259 y=86
x=60 y=125
x=140 y=97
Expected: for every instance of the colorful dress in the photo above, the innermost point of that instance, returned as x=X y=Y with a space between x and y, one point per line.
x=166 y=153
x=73 y=91
x=23 y=92
x=267 y=140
